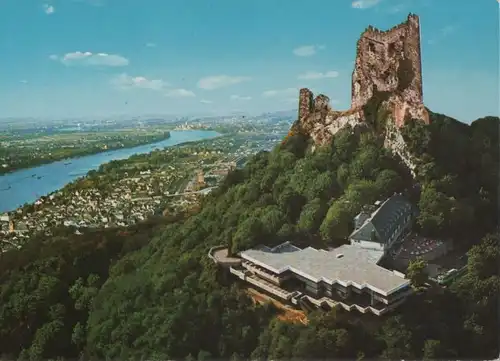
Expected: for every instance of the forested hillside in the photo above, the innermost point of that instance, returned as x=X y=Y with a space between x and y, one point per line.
x=126 y=298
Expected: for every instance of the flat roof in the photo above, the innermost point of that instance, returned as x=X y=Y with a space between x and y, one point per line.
x=357 y=266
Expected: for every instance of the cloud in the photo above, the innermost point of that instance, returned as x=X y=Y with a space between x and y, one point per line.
x=307 y=50
x=442 y=34
x=364 y=4
x=49 y=9
x=220 y=81
x=204 y=101
x=125 y=81
x=150 y=45
x=23 y=81
x=282 y=92
x=238 y=97
x=180 y=93
x=91 y=59
x=310 y=75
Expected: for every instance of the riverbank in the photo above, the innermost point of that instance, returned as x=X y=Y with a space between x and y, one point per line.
x=27 y=185
x=25 y=157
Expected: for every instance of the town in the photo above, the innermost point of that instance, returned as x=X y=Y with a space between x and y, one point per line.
x=122 y=193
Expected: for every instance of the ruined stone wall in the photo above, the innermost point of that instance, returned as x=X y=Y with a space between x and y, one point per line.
x=414 y=93
x=387 y=73
x=388 y=61
x=306 y=103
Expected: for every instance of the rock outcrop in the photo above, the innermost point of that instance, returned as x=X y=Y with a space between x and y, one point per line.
x=386 y=90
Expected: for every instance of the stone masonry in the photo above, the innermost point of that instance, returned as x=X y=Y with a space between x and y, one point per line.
x=388 y=63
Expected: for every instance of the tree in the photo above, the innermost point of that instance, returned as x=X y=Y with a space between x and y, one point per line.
x=311 y=216
x=296 y=144
x=388 y=182
x=365 y=164
x=291 y=202
x=416 y=273
x=483 y=258
x=335 y=225
x=344 y=144
x=434 y=209
x=397 y=339
x=433 y=350
x=417 y=135
x=247 y=235
x=272 y=219
x=323 y=186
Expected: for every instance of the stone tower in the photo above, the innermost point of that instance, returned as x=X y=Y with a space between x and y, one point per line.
x=381 y=55
x=390 y=61
x=386 y=91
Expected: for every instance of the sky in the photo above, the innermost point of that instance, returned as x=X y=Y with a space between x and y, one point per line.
x=79 y=58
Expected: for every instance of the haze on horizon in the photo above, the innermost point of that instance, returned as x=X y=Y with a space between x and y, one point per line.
x=80 y=58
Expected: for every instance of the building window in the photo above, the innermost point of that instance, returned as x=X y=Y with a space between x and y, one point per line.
x=371 y=47
x=342 y=294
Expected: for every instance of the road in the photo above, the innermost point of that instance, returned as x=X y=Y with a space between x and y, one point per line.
x=206 y=190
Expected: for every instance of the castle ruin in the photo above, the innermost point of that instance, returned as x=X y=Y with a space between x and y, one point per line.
x=387 y=72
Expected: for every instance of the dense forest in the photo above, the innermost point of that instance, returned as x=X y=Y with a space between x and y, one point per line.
x=152 y=293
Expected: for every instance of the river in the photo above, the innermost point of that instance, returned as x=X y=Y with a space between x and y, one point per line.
x=26 y=188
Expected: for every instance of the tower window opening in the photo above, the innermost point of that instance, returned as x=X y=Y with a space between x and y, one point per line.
x=391 y=49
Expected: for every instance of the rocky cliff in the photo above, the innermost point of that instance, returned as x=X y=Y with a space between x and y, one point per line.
x=386 y=90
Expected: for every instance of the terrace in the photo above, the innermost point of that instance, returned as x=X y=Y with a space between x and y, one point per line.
x=261 y=272
x=351 y=299
x=268 y=286
x=418 y=247
x=248 y=276
x=355 y=301
x=220 y=255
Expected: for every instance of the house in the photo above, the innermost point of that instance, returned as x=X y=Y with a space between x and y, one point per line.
x=21 y=227
x=4 y=218
x=383 y=225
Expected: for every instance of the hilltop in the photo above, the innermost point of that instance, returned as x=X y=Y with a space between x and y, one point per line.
x=386 y=91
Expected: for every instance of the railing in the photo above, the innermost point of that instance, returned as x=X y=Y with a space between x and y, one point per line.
x=261 y=272
x=239 y=273
x=268 y=287
x=212 y=250
x=225 y=260
x=333 y=303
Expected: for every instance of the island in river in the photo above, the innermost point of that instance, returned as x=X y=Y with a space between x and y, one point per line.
x=21 y=149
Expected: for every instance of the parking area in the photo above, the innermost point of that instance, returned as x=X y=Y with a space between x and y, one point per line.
x=441 y=258
x=415 y=246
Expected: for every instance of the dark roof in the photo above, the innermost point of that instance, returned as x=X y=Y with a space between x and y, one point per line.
x=385 y=219
x=365 y=232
